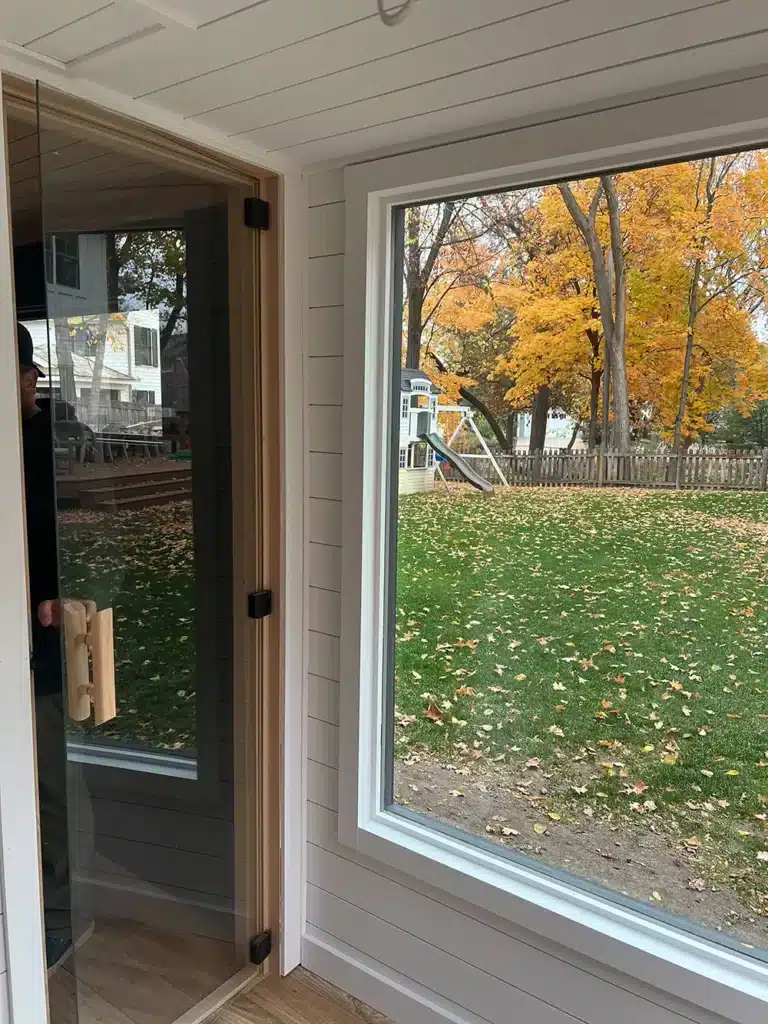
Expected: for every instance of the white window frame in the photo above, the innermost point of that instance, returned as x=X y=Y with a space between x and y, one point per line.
x=654 y=129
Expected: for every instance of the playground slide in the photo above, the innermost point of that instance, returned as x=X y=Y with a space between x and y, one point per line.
x=455 y=460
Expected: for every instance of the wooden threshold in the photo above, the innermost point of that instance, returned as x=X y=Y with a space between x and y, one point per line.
x=299 y=998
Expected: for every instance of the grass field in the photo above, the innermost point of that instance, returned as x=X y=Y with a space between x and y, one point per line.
x=141 y=563
x=610 y=642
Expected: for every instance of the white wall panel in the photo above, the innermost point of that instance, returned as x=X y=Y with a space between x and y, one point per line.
x=325 y=611
x=325 y=521
x=324 y=659
x=325 y=326
x=326 y=378
x=323 y=742
x=325 y=476
x=324 y=427
x=326 y=281
x=322 y=785
x=323 y=702
x=326 y=230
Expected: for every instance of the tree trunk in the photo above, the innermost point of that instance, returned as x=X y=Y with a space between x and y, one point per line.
x=613 y=319
x=539 y=414
x=64 y=360
x=418 y=274
x=693 y=312
x=94 y=402
x=605 y=429
x=512 y=432
x=113 y=273
x=618 y=360
x=178 y=305
x=688 y=358
x=574 y=435
x=594 y=407
x=493 y=423
x=413 y=344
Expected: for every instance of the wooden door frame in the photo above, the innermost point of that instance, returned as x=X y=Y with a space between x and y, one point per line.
x=256 y=333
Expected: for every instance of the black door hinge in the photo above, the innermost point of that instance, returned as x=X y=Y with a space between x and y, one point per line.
x=260 y=604
x=261 y=947
x=257 y=213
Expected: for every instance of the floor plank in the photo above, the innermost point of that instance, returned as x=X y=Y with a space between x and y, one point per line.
x=301 y=998
x=128 y=973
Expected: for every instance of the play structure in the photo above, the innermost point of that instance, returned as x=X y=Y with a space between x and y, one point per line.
x=422 y=447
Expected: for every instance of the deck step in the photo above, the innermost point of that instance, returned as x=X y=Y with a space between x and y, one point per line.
x=121 y=488
x=157 y=497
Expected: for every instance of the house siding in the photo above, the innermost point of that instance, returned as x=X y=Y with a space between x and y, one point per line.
x=412 y=951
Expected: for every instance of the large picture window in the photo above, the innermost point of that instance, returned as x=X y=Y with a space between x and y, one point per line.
x=575 y=673
x=553 y=705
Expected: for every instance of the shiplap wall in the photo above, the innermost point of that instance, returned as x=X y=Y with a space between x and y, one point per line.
x=413 y=952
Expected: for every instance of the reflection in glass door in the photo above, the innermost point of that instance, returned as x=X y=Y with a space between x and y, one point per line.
x=123 y=296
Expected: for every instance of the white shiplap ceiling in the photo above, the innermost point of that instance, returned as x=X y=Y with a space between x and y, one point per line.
x=324 y=80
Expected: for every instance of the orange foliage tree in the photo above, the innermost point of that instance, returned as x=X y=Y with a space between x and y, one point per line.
x=694 y=245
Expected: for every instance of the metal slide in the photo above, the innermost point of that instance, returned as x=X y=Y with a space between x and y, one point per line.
x=459 y=464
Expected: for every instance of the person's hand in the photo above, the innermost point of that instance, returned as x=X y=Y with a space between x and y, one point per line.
x=49 y=613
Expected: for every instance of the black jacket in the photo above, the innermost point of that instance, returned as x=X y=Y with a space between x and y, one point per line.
x=40 y=492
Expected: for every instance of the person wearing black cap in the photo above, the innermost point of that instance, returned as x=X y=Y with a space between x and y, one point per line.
x=42 y=559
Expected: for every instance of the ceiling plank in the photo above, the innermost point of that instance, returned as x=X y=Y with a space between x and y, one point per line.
x=603 y=85
x=177 y=54
x=356 y=44
x=622 y=47
x=537 y=32
x=22 y=22
x=98 y=30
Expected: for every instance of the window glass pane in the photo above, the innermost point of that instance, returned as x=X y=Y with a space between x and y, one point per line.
x=145 y=344
x=66 y=250
x=578 y=649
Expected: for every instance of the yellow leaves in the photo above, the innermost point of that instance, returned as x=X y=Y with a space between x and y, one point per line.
x=539 y=829
x=732 y=771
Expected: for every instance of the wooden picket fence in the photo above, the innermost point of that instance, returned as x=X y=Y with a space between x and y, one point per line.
x=743 y=471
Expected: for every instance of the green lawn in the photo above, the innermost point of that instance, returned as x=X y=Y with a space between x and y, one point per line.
x=611 y=640
x=141 y=563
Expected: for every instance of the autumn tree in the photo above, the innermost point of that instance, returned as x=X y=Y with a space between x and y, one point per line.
x=610 y=278
x=149 y=272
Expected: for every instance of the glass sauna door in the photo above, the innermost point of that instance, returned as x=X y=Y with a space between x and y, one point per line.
x=123 y=293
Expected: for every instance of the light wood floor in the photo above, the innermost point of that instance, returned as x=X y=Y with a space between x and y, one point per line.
x=301 y=998
x=131 y=974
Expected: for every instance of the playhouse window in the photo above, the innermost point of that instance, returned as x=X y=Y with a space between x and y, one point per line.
x=403 y=460
x=404 y=408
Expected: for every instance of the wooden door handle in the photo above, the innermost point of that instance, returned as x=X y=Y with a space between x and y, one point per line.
x=103 y=655
x=87 y=631
x=76 y=655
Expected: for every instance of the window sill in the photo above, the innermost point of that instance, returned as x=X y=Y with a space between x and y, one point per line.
x=106 y=756
x=683 y=964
